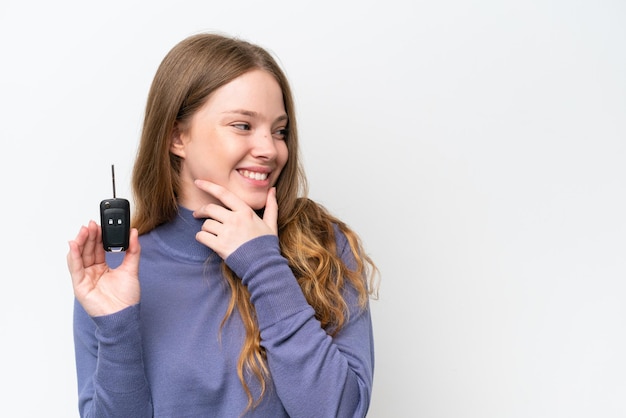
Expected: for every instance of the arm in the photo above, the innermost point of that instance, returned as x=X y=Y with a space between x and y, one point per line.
x=314 y=374
x=109 y=365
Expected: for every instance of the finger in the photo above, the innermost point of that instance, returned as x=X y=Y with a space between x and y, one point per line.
x=206 y=238
x=82 y=236
x=270 y=215
x=213 y=211
x=133 y=253
x=75 y=263
x=89 y=249
x=229 y=199
x=212 y=226
x=100 y=254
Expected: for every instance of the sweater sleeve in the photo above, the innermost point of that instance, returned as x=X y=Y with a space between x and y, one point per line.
x=109 y=365
x=315 y=375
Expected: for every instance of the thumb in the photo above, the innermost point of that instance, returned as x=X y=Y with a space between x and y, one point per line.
x=270 y=215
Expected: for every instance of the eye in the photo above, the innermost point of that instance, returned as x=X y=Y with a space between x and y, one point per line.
x=241 y=126
x=281 y=133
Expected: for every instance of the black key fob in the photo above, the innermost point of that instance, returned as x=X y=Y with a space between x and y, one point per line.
x=115 y=221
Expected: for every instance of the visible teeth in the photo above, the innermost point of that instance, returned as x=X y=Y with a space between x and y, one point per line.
x=253 y=175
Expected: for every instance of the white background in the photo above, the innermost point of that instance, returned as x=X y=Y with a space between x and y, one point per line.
x=478 y=147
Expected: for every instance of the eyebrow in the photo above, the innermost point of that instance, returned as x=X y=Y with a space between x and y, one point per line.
x=253 y=114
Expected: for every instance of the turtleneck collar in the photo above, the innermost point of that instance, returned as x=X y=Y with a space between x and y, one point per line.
x=179 y=236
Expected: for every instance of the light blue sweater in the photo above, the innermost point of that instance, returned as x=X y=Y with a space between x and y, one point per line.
x=166 y=356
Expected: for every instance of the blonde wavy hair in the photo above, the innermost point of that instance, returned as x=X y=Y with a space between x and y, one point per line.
x=186 y=77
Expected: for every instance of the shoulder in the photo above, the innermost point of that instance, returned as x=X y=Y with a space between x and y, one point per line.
x=345 y=250
x=340 y=239
x=320 y=215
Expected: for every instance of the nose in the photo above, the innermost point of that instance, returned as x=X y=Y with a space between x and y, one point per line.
x=264 y=145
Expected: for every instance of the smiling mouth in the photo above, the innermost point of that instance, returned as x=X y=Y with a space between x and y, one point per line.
x=254 y=175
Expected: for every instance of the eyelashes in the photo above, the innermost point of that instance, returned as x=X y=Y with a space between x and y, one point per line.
x=280 y=133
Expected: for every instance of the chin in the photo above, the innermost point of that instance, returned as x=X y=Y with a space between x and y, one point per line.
x=256 y=205
x=255 y=199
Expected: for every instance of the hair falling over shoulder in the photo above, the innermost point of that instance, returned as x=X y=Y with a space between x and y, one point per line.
x=308 y=243
x=189 y=73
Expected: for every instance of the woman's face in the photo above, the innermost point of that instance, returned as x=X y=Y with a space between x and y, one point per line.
x=237 y=139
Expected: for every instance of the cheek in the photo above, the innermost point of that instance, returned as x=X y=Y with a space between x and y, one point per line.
x=283 y=154
x=206 y=162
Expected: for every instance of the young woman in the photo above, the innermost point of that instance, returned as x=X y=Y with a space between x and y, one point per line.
x=237 y=295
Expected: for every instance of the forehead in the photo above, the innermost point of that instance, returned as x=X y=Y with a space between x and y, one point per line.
x=250 y=85
x=255 y=92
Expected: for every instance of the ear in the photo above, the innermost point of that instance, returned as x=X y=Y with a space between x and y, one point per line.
x=177 y=145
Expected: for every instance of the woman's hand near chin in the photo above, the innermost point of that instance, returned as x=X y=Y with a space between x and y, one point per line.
x=229 y=226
